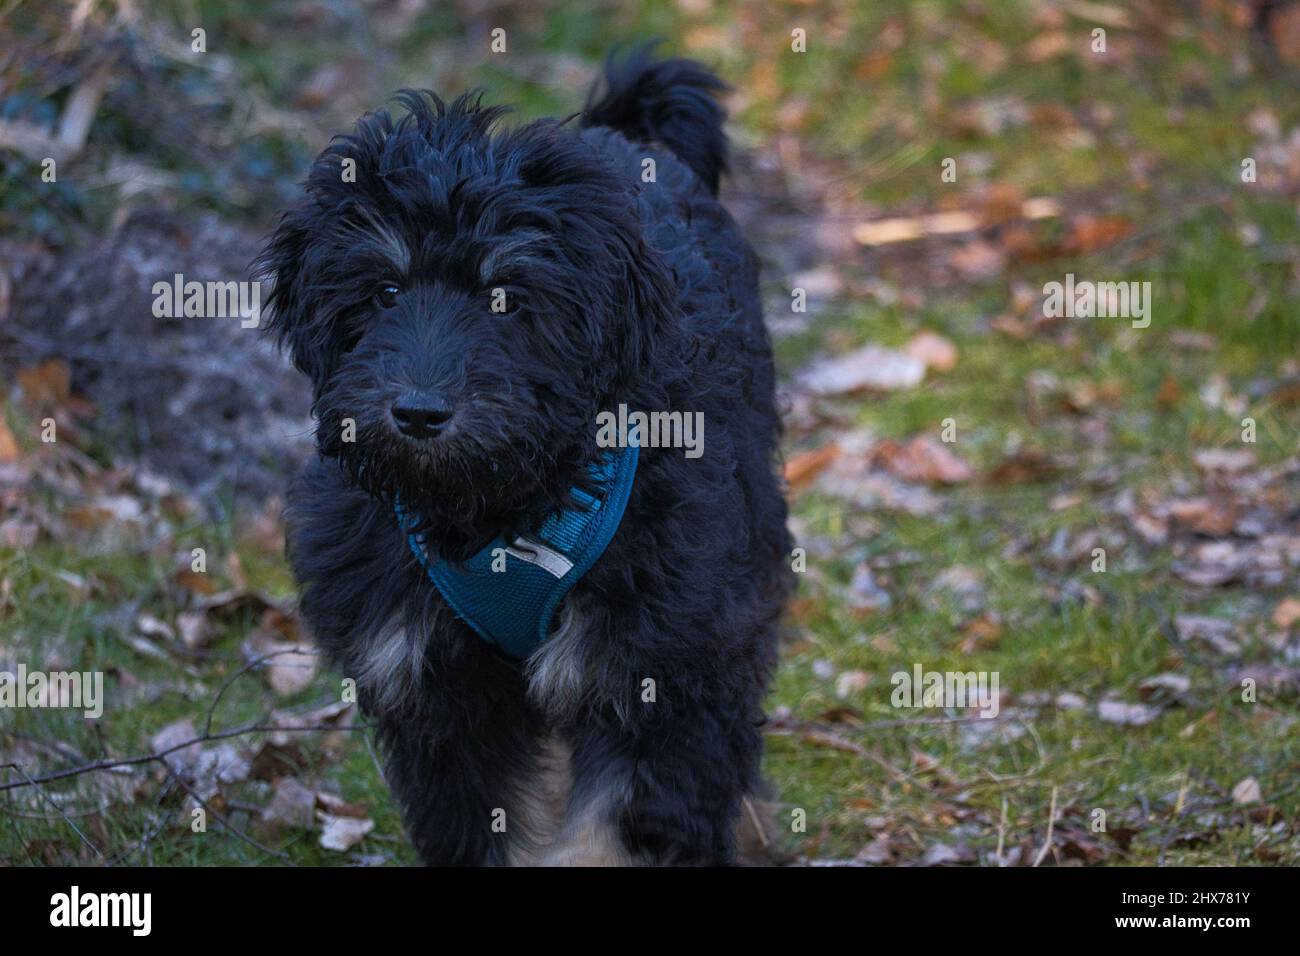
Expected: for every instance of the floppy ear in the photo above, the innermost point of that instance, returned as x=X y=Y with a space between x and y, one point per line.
x=590 y=207
x=629 y=299
x=648 y=291
x=283 y=262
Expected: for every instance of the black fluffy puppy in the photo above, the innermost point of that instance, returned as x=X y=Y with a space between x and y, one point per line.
x=467 y=300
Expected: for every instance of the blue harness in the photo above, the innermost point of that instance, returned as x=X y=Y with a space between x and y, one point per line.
x=509 y=593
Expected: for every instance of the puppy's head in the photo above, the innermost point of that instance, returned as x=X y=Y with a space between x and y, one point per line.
x=465 y=300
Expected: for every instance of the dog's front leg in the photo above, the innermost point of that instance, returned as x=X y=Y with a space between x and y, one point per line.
x=457 y=767
x=661 y=781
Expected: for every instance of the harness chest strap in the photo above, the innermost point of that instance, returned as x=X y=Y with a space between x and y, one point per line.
x=509 y=592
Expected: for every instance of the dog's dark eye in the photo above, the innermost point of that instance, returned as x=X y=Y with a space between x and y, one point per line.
x=386 y=295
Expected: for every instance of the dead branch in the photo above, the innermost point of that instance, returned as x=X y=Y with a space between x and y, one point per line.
x=159 y=755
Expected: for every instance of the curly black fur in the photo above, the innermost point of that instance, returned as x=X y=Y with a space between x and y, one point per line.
x=642 y=293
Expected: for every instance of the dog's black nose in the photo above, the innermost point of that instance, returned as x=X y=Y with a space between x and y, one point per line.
x=421 y=414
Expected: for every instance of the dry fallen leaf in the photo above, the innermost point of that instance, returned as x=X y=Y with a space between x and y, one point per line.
x=1169 y=394
x=217 y=765
x=905 y=229
x=227 y=604
x=18 y=534
x=843 y=714
x=872 y=367
x=884 y=644
x=105 y=511
x=150 y=626
x=1284 y=31
x=935 y=351
x=959 y=586
x=343 y=833
x=1246 y=792
x=1024 y=467
x=1075 y=843
x=180 y=762
x=980 y=633
x=852 y=478
x=879 y=851
x=1287 y=613
x=1225 y=459
x=942 y=855
x=1164 y=687
x=194 y=629
x=294 y=805
x=1091 y=233
x=1216 y=632
x=1000 y=203
x=292 y=669
x=820 y=283
x=47 y=385
x=1209 y=575
x=338 y=807
x=195 y=582
x=277 y=622
x=333 y=715
x=1118 y=712
x=1215 y=517
x=1047 y=46
x=978 y=260
x=922 y=459
x=802 y=467
x=851 y=683
x=864 y=594
x=8 y=444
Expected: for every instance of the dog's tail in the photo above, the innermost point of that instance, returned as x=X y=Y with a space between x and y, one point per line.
x=673 y=102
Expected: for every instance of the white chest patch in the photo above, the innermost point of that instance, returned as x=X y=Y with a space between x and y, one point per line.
x=390 y=664
x=557 y=671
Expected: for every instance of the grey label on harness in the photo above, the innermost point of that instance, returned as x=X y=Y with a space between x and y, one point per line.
x=534 y=552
